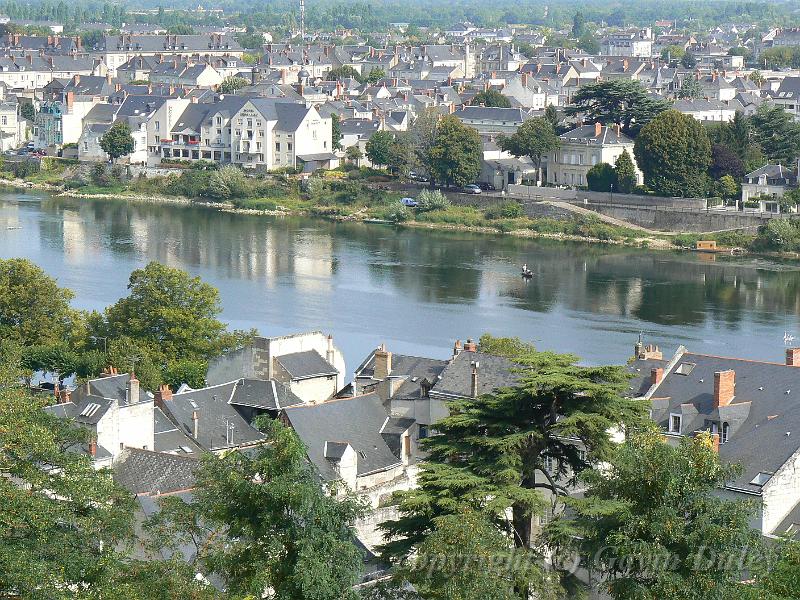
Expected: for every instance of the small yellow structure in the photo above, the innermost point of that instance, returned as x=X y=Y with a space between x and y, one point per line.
x=706 y=245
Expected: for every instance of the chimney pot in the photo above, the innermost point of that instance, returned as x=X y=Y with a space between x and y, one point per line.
x=656 y=375
x=724 y=387
x=92 y=446
x=470 y=346
x=132 y=389
x=598 y=129
x=383 y=363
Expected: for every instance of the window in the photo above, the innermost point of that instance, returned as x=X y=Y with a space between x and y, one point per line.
x=219 y=120
x=675 y=422
x=219 y=131
x=725 y=433
x=289 y=146
x=685 y=368
x=549 y=465
x=5 y=120
x=546 y=517
x=249 y=122
x=277 y=146
x=761 y=479
x=158 y=126
x=423 y=432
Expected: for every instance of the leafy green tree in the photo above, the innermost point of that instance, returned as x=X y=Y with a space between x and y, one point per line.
x=551 y=114
x=181 y=29
x=401 y=154
x=455 y=157
x=534 y=138
x=601 y=178
x=231 y=84
x=353 y=154
x=170 y=315
x=467 y=558
x=229 y=182
x=688 y=60
x=379 y=147
x=673 y=151
x=502 y=450
x=423 y=139
x=429 y=200
x=727 y=187
x=117 y=141
x=261 y=520
x=625 y=173
x=691 y=88
x=589 y=43
x=190 y=372
x=617 y=101
x=672 y=53
x=578 y=24
x=344 y=72
x=780 y=580
x=652 y=525
x=33 y=309
x=491 y=98
x=336 y=131
x=60 y=519
x=375 y=75
x=777 y=134
x=28 y=112
x=756 y=77
x=724 y=161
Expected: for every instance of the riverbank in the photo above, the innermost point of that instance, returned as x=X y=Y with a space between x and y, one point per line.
x=358 y=196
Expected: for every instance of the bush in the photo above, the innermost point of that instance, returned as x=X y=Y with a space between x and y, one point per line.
x=101 y=175
x=780 y=234
x=507 y=210
x=229 y=182
x=432 y=200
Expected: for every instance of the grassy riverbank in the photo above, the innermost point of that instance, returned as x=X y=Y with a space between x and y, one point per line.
x=357 y=194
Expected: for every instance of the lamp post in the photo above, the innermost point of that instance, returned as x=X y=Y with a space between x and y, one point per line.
x=612 y=194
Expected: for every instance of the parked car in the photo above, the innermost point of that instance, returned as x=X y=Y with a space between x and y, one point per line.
x=409 y=202
x=414 y=176
x=471 y=189
x=488 y=187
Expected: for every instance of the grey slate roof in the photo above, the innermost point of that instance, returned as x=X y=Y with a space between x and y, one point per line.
x=267 y=395
x=493 y=372
x=305 y=365
x=586 y=133
x=356 y=421
x=492 y=113
x=168 y=438
x=414 y=369
x=147 y=472
x=764 y=419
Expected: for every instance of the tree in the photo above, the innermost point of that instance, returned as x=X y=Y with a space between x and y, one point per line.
x=662 y=532
x=423 y=138
x=228 y=182
x=724 y=161
x=757 y=78
x=491 y=98
x=688 y=60
x=231 y=84
x=117 y=141
x=578 y=24
x=170 y=315
x=534 y=138
x=28 y=112
x=455 y=157
x=616 y=101
x=401 y=154
x=336 y=131
x=262 y=520
x=375 y=75
x=502 y=450
x=467 y=558
x=672 y=53
x=379 y=147
x=690 y=88
x=353 y=154
x=779 y=580
x=33 y=309
x=432 y=200
x=625 y=172
x=551 y=114
x=727 y=188
x=344 y=72
x=777 y=134
x=601 y=178
x=673 y=151
x=60 y=519
x=588 y=43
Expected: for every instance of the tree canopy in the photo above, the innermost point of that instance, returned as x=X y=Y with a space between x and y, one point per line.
x=620 y=101
x=491 y=98
x=117 y=141
x=534 y=138
x=379 y=147
x=455 y=156
x=674 y=152
x=231 y=84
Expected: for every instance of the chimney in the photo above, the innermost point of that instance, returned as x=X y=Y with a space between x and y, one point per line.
x=715 y=442
x=92 y=446
x=724 y=387
x=108 y=78
x=64 y=396
x=132 y=389
x=164 y=394
x=656 y=375
x=793 y=357
x=70 y=100
x=196 y=425
x=524 y=80
x=617 y=129
x=30 y=59
x=78 y=43
x=76 y=79
x=470 y=346
x=383 y=363
x=473 y=388
x=330 y=355
x=457 y=347
x=598 y=129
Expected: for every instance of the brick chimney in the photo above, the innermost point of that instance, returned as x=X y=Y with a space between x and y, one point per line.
x=70 y=100
x=473 y=388
x=793 y=357
x=457 y=348
x=164 y=394
x=383 y=363
x=656 y=375
x=524 y=80
x=64 y=396
x=724 y=387
x=715 y=442
x=132 y=389
x=598 y=129
x=470 y=346
x=92 y=446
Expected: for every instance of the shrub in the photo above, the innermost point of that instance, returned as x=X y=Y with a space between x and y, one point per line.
x=315 y=187
x=228 y=182
x=507 y=210
x=101 y=175
x=432 y=200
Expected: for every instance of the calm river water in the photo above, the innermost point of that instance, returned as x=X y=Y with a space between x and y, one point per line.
x=415 y=290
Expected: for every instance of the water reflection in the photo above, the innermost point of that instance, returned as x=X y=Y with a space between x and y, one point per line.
x=413 y=285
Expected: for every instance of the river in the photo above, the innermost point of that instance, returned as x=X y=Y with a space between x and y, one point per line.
x=416 y=290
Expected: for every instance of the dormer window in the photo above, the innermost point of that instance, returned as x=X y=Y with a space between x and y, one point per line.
x=675 y=423
x=685 y=368
x=725 y=433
